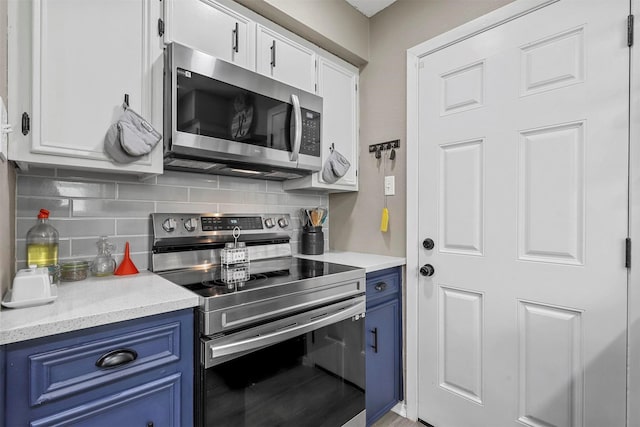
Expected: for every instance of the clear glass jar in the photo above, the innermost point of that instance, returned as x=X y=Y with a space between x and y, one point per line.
x=74 y=270
x=103 y=264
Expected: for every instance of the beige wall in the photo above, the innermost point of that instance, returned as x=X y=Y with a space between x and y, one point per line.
x=354 y=221
x=7 y=175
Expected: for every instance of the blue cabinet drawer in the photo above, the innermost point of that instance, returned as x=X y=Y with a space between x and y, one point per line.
x=151 y=403
x=61 y=372
x=55 y=380
x=382 y=285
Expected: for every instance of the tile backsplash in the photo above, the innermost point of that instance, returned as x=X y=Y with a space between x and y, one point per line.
x=86 y=205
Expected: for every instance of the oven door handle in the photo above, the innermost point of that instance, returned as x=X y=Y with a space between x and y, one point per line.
x=297 y=127
x=217 y=354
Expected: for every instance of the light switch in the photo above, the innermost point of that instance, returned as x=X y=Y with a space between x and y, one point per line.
x=389 y=185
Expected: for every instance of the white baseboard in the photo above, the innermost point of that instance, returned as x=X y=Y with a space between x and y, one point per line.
x=400 y=409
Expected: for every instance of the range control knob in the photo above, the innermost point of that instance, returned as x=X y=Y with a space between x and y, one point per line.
x=191 y=224
x=269 y=223
x=283 y=223
x=169 y=225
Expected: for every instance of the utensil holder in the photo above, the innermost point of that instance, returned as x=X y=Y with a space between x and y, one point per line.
x=312 y=241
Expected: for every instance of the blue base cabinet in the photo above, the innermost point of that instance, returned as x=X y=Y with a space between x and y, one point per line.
x=133 y=373
x=383 y=329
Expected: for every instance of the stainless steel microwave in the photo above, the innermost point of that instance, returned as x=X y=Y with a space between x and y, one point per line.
x=223 y=119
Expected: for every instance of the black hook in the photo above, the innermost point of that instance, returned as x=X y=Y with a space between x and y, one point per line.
x=378 y=153
x=333 y=147
x=392 y=154
x=126 y=99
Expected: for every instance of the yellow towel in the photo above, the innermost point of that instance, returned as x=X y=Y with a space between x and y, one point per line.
x=384 y=222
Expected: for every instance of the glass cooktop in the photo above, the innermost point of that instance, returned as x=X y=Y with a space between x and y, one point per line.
x=224 y=280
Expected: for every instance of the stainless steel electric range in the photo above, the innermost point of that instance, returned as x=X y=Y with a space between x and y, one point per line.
x=280 y=339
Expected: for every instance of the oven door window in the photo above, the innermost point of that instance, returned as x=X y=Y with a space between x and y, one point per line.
x=213 y=108
x=314 y=379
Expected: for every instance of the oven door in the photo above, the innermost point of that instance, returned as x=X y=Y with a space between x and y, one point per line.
x=222 y=112
x=304 y=370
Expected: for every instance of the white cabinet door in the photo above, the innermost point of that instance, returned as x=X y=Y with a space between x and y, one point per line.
x=338 y=87
x=71 y=64
x=285 y=60
x=211 y=28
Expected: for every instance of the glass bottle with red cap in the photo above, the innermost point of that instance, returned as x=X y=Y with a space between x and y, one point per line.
x=42 y=243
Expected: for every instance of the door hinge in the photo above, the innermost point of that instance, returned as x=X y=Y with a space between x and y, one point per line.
x=26 y=124
x=160 y=27
x=630 y=30
x=627 y=252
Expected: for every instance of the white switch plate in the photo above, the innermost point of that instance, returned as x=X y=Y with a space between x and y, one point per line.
x=389 y=185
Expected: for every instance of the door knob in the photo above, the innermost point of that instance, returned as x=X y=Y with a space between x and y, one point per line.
x=427 y=270
x=428 y=244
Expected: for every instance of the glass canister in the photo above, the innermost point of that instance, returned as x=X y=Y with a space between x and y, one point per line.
x=103 y=264
x=74 y=270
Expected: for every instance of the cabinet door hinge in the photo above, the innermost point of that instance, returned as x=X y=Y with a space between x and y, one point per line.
x=26 y=124
x=160 y=27
x=627 y=253
x=630 y=30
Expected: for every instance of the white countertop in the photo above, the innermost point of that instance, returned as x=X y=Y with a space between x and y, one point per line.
x=93 y=302
x=370 y=262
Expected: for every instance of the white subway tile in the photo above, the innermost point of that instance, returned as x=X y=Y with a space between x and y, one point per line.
x=29 y=207
x=241 y=209
x=245 y=184
x=297 y=199
x=129 y=227
x=188 y=207
x=48 y=187
x=274 y=187
x=152 y=192
x=83 y=206
x=71 y=227
x=111 y=208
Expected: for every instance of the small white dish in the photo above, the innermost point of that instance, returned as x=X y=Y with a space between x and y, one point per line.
x=7 y=301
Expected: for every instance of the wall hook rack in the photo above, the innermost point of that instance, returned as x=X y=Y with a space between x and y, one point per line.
x=389 y=145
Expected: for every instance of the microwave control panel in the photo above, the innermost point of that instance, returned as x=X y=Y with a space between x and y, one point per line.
x=311 y=123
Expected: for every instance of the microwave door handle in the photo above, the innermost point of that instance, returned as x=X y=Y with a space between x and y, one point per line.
x=297 y=127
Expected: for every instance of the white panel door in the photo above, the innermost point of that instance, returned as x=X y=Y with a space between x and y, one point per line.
x=523 y=152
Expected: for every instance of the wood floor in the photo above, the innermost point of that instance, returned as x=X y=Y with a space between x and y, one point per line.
x=391 y=419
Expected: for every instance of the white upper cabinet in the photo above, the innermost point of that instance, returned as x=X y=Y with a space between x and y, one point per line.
x=211 y=28
x=71 y=62
x=337 y=85
x=285 y=60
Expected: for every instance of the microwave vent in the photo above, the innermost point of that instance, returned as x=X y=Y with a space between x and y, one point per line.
x=192 y=164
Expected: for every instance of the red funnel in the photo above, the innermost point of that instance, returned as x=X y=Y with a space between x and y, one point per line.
x=126 y=266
